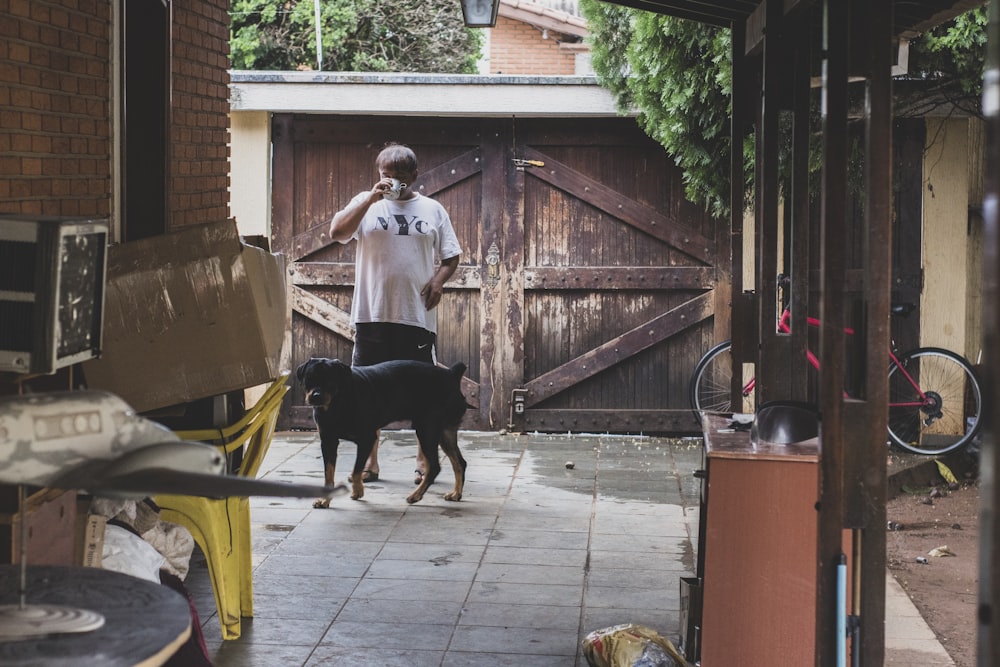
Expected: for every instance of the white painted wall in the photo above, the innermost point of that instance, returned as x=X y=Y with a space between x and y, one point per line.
x=250 y=172
x=946 y=242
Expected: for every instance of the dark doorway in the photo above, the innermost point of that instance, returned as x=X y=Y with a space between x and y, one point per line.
x=145 y=73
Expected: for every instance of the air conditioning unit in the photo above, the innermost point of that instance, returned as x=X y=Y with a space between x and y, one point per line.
x=52 y=278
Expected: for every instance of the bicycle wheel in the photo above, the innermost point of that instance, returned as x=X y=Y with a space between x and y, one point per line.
x=934 y=401
x=711 y=383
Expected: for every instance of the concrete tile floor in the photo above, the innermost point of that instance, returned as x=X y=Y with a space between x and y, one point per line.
x=534 y=557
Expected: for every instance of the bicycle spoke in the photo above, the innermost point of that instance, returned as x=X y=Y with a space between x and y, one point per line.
x=711 y=385
x=934 y=405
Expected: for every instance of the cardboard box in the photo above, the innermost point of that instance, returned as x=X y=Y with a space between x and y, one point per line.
x=50 y=519
x=188 y=315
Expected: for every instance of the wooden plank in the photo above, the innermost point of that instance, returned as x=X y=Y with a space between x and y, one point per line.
x=619 y=277
x=633 y=213
x=283 y=159
x=450 y=173
x=322 y=273
x=510 y=229
x=619 y=348
x=313 y=239
x=342 y=274
x=320 y=311
x=611 y=421
x=491 y=240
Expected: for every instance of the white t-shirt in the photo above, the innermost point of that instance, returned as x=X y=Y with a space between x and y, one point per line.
x=398 y=244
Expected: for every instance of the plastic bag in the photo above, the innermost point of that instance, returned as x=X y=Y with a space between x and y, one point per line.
x=630 y=645
x=128 y=553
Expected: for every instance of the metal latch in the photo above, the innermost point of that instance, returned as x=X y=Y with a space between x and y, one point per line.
x=521 y=164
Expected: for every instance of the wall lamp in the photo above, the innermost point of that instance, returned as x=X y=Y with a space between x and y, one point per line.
x=480 y=13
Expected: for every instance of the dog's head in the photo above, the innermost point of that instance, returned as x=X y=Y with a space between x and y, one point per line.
x=323 y=380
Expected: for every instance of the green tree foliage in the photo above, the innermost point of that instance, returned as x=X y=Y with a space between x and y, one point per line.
x=947 y=66
x=676 y=75
x=357 y=36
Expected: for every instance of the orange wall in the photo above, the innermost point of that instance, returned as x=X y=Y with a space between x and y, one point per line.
x=518 y=48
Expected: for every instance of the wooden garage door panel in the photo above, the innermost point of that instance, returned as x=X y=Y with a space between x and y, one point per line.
x=585 y=281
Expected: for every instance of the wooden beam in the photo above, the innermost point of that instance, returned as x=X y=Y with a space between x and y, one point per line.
x=772 y=374
x=341 y=274
x=988 y=618
x=865 y=467
x=321 y=312
x=612 y=420
x=800 y=223
x=832 y=353
x=619 y=277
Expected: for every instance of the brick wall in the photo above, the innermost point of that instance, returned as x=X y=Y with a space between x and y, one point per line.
x=199 y=138
x=519 y=48
x=54 y=107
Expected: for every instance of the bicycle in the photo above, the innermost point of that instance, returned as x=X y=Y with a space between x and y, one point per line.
x=935 y=398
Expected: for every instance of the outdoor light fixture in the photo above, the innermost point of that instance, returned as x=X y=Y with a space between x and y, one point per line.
x=480 y=13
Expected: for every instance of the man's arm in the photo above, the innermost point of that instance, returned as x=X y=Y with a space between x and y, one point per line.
x=347 y=220
x=433 y=290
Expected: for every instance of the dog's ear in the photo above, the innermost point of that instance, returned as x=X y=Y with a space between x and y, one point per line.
x=300 y=372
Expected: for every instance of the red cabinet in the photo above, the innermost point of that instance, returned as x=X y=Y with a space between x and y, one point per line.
x=758 y=541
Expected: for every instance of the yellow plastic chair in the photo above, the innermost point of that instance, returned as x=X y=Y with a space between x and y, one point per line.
x=221 y=527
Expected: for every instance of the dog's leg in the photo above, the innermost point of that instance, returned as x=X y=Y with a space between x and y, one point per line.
x=428 y=445
x=329 y=448
x=449 y=443
x=365 y=446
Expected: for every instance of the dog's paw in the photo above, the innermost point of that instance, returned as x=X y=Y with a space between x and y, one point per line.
x=322 y=503
x=357 y=488
x=415 y=497
x=454 y=495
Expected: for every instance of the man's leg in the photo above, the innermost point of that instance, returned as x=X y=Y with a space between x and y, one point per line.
x=371 y=468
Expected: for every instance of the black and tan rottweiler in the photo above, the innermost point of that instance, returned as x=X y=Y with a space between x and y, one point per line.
x=354 y=403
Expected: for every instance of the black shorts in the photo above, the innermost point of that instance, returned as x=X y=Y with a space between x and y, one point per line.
x=375 y=342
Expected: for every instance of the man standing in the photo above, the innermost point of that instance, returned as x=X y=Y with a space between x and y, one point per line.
x=398 y=283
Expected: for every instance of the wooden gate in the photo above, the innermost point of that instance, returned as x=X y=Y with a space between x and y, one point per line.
x=585 y=291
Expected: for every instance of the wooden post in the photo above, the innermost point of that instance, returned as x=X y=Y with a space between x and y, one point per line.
x=988 y=645
x=836 y=45
x=865 y=487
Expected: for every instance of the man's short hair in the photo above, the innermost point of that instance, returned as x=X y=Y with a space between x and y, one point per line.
x=399 y=157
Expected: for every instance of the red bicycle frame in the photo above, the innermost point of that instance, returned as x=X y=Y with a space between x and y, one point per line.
x=784 y=326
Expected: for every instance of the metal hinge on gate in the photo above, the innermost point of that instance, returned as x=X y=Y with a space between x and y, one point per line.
x=518 y=403
x=521 y=164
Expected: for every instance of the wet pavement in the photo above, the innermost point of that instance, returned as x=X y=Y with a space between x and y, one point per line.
x=556 y=536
